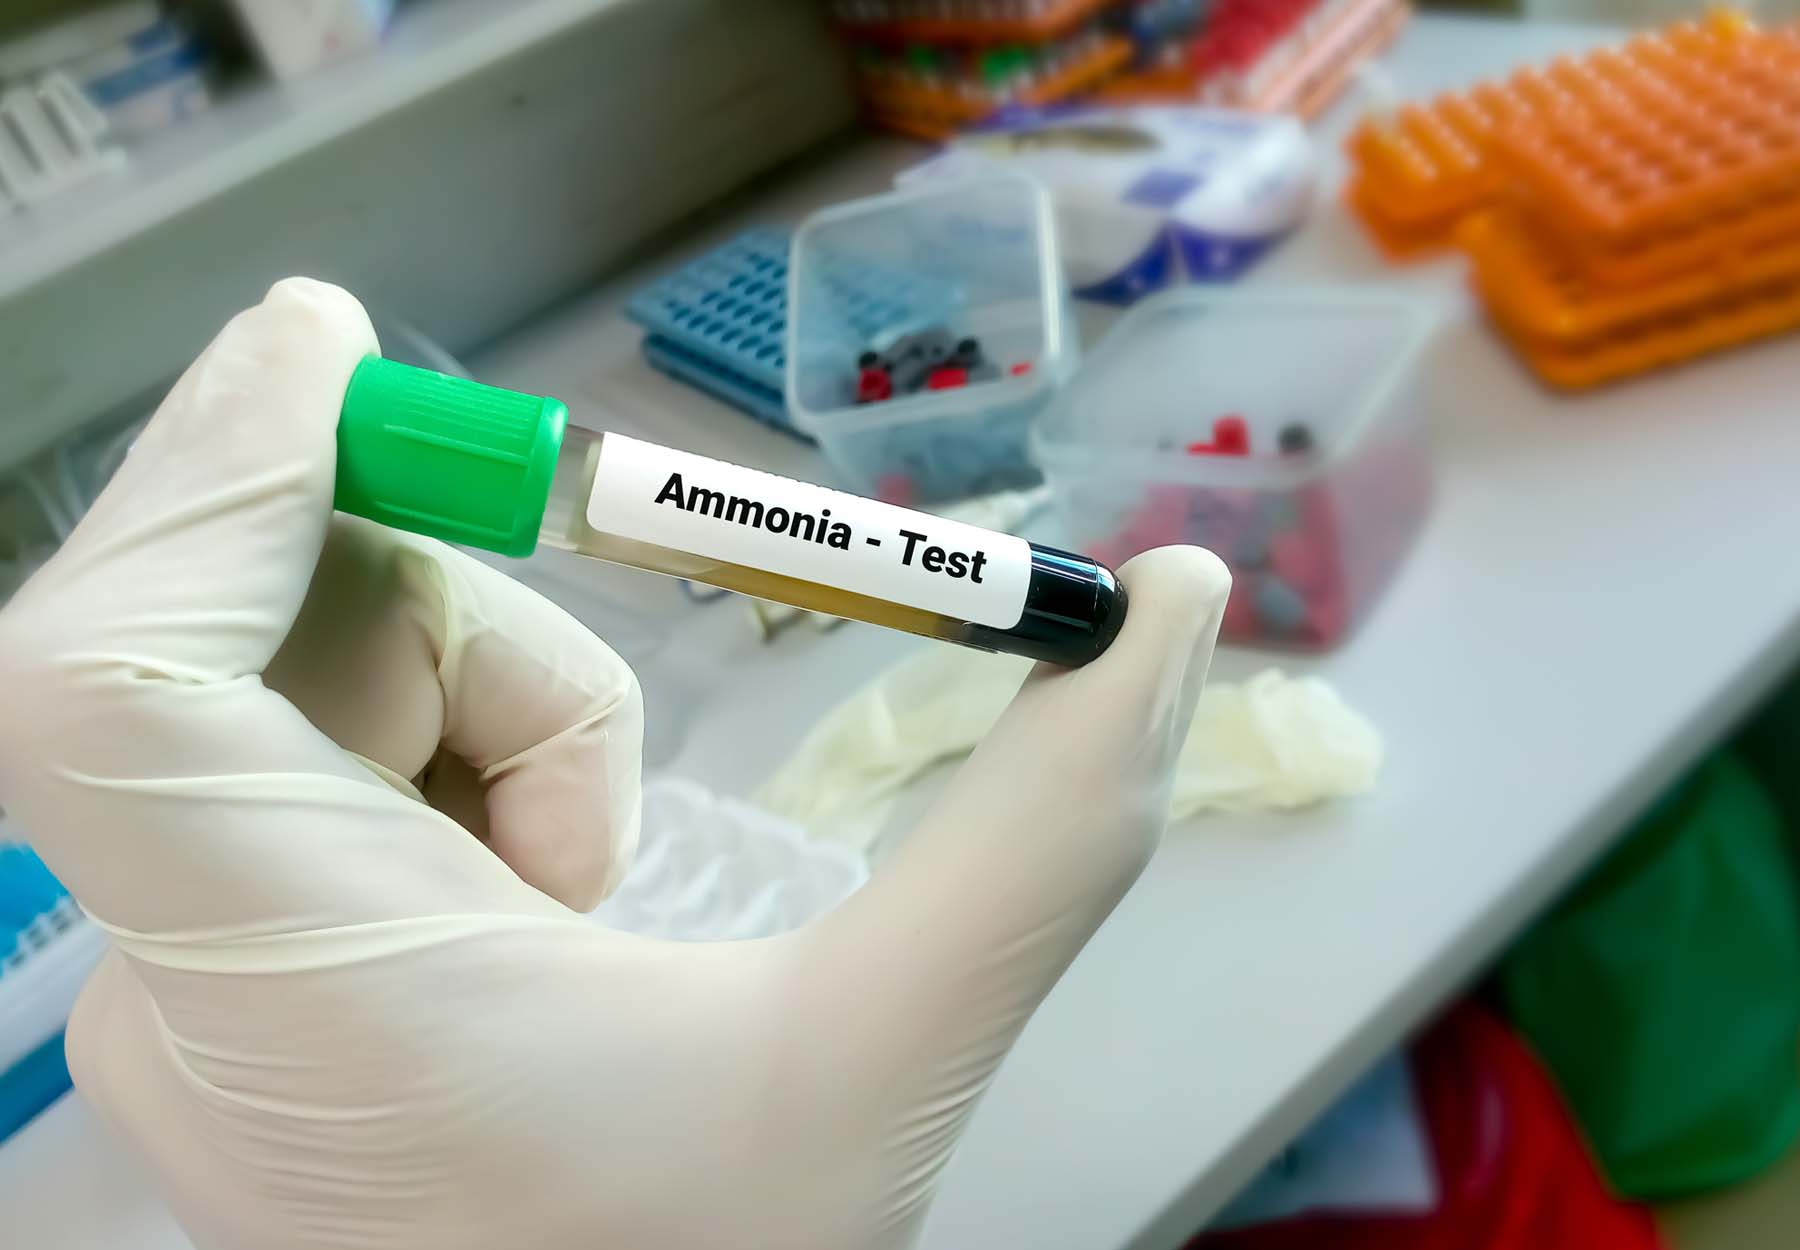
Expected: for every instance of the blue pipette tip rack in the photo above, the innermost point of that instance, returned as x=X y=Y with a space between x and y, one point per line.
x=720 y=324
x=47 y=948
x=709 y=374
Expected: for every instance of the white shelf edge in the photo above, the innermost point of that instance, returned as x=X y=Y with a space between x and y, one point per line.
x=262 y=127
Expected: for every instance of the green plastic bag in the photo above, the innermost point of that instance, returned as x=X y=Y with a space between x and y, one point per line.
x=1664 y=994
x=1770 y=746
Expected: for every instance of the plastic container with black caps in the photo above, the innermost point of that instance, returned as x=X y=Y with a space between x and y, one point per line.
x=496 y=469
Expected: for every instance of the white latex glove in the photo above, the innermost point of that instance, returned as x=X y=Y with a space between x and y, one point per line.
x=337 y=1017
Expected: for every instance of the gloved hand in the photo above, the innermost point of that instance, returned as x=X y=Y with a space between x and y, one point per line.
x=339 y=795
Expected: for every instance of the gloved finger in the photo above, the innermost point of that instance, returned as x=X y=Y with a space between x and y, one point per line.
x=939 y=961
x=171 y=789
x=509 y=714
x=217 y=514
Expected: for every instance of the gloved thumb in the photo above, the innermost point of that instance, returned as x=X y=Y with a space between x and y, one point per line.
x=940 y=960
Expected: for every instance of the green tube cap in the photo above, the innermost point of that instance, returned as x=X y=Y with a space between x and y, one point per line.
x=447 y=457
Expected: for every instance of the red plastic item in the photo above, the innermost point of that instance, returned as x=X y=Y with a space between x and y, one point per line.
x=1230 y=437
x=1240 y=613
x=873 y=386
x=895 y=488
x=1306 y=557
x=1291 y=56
x=1328 y=616
x=1021 y=369
x=1512 y=1171
x=947 y=379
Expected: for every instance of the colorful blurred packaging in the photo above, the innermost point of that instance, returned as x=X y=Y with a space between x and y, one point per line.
x=931 y=69
x=297 y=37
x=145 y=71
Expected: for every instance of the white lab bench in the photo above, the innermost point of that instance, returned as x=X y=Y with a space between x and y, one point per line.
x=1605 y=585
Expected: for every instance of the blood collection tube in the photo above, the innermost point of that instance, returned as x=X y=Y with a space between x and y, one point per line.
x=503 y=471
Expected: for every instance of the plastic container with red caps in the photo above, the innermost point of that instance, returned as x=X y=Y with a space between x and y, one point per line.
x=1191 y=424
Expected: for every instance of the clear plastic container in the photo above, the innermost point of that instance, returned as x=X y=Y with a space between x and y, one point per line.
x=1313 y=533
x=967 y=258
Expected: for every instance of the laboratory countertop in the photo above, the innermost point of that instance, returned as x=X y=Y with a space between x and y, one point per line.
x=1605 y=585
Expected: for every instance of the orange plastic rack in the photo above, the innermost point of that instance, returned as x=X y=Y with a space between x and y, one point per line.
x=1049 y=21
x=1576 y=335
x=1633 y=149
x=1678 y=131
x=1757 y=315
x=1624 y=211
x=1727 y=243
x=1419 y=172
x=1531 y=280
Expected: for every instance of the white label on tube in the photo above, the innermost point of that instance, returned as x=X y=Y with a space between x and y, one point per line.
x=726 y=512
